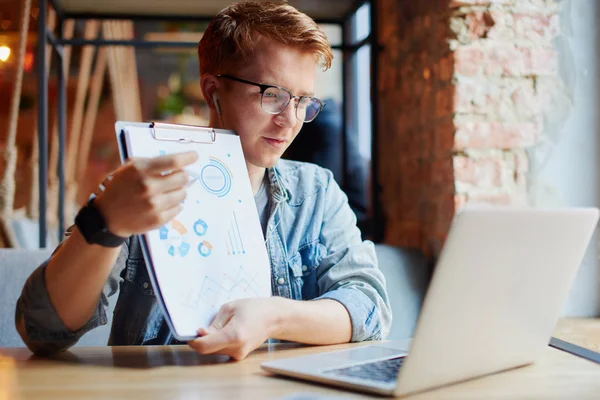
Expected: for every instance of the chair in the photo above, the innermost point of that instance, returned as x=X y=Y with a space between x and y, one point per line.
x=407 y=275
x=15 y=267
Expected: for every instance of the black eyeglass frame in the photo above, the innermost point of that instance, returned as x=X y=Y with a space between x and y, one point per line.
x=263 y=87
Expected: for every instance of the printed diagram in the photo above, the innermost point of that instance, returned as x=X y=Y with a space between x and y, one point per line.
x=175 y=237
x=213 y=293
x=200 y=227
x=215 y=177
x=204 y=247
x=235 y=244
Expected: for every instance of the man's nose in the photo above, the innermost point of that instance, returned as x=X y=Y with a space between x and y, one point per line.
x=288 y=115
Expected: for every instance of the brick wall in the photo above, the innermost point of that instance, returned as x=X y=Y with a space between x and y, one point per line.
x=461 y=91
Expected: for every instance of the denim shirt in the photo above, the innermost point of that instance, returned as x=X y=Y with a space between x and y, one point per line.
x=315 y=251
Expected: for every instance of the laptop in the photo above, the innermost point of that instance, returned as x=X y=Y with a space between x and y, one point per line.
x=492 y=304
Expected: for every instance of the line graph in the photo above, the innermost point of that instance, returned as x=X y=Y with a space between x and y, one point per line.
x=214 y=293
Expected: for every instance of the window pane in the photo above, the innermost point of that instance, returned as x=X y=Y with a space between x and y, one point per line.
x=362 y=23
x=363 y=100
x=333 y=32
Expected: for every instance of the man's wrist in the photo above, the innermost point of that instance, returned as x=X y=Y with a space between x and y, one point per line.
x=281 y=309
x=92 y=225
x=102 y=207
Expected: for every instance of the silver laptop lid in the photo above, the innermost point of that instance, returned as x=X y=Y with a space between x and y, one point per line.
x=496 y=293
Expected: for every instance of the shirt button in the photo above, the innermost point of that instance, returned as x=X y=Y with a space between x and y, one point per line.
x=281 y=281
x=304 y=268
x=145 y=285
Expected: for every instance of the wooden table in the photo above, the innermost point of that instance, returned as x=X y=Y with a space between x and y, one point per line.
x=176 y=372
x=584 y=332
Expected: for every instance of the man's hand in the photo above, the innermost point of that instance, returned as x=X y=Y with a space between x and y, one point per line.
x=145 y=193
x=239 y=327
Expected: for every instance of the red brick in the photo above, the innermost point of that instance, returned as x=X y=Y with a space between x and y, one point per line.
x=540 y=61
x=445 y=210
x=426 y=137
x=498 y=99
x=495 y=135
x=425 y=104
x=388 y=79
x=536 y=26
x=480 y=96
x=443 y=102
x=503 y=60
x=410 y=145
x=478 y=24
x=496 y=199
x=468 y=60
x=470 y=95
x=442 y=172
x=447 y=67
x=460 y=3
x=443 y=139
x=482 y=172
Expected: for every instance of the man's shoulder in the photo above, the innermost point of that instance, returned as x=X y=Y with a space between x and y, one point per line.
x=303 y=179
x=298 y=170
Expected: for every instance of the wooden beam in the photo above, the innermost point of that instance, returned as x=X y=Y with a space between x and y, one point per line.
x=7 y=186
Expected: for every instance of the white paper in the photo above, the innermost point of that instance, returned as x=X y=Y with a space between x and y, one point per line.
x=213 y=252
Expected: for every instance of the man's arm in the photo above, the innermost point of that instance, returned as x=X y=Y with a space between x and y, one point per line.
x=36 y=318
x=242 y=325
x=61 y=300
x=353 y=305
x=321 y=321
x=349 y=273
x=75 y=277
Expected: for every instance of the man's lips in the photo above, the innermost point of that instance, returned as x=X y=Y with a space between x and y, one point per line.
x=275 y=142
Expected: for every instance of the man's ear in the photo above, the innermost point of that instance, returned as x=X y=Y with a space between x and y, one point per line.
x=209 y=84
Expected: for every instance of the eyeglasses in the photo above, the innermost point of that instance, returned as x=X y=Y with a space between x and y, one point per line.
x=274 y=99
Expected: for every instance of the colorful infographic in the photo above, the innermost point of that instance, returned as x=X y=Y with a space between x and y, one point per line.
x=216 y=177
x=175 y=237
x=213 y=251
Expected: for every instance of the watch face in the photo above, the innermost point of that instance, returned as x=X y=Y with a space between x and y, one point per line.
x=96 y=237
x=88 y=221
x=92 y=227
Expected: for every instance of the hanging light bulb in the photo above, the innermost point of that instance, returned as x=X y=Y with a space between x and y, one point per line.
x=4 y=53
x=28 y=61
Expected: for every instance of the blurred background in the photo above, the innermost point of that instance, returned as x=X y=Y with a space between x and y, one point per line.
x=431 y=105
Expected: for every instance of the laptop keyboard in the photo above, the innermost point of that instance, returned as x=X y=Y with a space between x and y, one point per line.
x=381 y=371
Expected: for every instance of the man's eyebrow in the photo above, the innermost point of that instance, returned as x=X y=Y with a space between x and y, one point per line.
x=305 y=93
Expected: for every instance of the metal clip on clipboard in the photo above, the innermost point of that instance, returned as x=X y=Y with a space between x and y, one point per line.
x=157 y=127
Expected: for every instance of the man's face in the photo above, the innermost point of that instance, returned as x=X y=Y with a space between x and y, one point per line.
x=266 y=136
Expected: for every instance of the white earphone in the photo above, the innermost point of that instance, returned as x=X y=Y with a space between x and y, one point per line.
x=216 y=103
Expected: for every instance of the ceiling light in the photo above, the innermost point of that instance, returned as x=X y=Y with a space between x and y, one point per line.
x=4 y=53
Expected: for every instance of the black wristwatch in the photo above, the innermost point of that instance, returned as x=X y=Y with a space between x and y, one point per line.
x=92 y=226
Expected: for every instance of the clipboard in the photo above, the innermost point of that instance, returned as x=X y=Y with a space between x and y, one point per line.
x=254 y=274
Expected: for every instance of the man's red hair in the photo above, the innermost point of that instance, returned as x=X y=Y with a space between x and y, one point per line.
x=232 y=35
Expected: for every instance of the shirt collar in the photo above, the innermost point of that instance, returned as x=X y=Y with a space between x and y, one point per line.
x=278 y=188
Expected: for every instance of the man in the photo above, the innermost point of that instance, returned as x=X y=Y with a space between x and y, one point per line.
x=257 y=65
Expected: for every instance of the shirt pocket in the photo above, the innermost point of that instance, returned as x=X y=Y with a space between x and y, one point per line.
x=303 y=267
x=136 y=275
